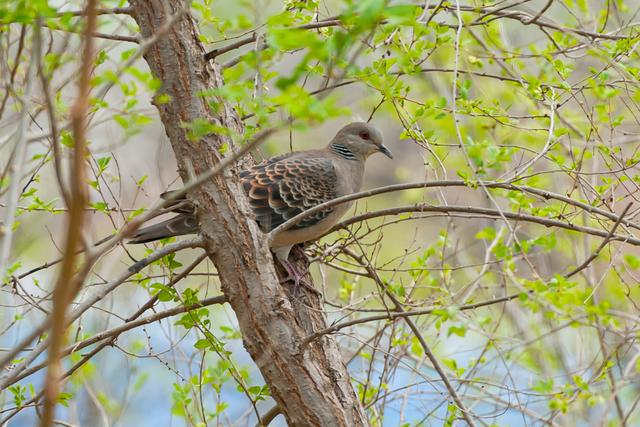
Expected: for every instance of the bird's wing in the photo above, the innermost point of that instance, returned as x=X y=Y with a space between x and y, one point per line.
x=278 y=189
x=284 y=186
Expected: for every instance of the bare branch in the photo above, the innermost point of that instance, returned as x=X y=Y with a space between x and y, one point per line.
x=603 y=244
x=83 y=307
x=494 y=213
x=451 y=183
x=373 y=274
x=400 y=314
x=68 y=282
x=99 y=11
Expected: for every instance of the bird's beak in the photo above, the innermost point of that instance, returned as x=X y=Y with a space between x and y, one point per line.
x=384 y=150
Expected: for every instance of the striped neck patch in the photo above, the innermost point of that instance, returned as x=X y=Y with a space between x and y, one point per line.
x=343 y=151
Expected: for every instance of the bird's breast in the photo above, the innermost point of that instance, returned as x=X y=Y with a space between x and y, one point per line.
x=313 y=232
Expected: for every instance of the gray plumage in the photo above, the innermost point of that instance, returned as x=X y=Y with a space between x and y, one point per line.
x=283 y=186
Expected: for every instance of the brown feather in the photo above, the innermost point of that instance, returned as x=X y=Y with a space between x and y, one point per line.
x=283 y=186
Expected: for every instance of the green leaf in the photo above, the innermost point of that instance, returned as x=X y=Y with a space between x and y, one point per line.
x=632 y=260
x=487 y=233
x=460 y=331
x=401 y=14
x=202 y=344
x=100 y=206
x=103 y=162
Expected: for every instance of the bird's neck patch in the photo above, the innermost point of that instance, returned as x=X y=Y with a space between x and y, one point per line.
x=343 y=151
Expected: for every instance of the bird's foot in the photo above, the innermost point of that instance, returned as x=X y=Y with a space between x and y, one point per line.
x=299 y=278
x=299 y=251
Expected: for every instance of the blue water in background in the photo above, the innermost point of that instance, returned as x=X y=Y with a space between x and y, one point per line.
x=151 y=405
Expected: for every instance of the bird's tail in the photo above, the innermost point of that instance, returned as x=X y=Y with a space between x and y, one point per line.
x=175 y=226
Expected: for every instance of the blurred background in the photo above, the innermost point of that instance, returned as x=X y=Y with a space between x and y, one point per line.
x=549 y=106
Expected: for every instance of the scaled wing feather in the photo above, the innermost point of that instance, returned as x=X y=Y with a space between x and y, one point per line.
x=284 y=186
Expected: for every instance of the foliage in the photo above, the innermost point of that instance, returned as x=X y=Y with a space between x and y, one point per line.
x=516 y=265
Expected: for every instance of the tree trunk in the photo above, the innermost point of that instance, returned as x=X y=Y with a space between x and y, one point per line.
x=311 y=385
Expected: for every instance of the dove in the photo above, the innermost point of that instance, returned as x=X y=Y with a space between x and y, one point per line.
x=281 y=187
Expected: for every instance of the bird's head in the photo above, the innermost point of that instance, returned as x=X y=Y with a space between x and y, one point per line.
x=359 y=140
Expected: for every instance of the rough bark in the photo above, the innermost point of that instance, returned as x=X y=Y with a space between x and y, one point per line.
x=311 y=384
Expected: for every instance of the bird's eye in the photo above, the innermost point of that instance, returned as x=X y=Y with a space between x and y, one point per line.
x=365 y=135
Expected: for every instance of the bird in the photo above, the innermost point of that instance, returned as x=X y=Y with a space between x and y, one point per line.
x=281 y=187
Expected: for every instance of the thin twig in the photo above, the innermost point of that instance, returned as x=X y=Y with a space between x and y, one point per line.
x=330 y=22
x=604 y=243
x=538 y=15
x=450 y=183
x=373 y=274
x=396 y=315
x=83 y=307
x=494 y=213
x=113 y=11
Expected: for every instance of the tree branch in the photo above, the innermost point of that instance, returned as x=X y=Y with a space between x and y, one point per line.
x=455 y=183
x=604 y=243
x=495 y=213
x=311 y=389
x=373 y=274
x=69 y=281
x=108 y=337
x=82 y=308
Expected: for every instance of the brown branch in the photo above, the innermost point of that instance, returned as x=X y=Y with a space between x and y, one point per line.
x=539 y=14
x=397 y=315
x=373 y=275
x=98 y=35
x=604 y=243
x=14 y=70
x=68 y=282
x=494 y=213
x=456 y=183
x=330 y=22
x=266 y=419
x=82 y=308
x=109 y=336
x=114 y=11
x=235 y=45
x=115 y=37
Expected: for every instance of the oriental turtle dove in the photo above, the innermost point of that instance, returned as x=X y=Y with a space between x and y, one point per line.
x=283 y=186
